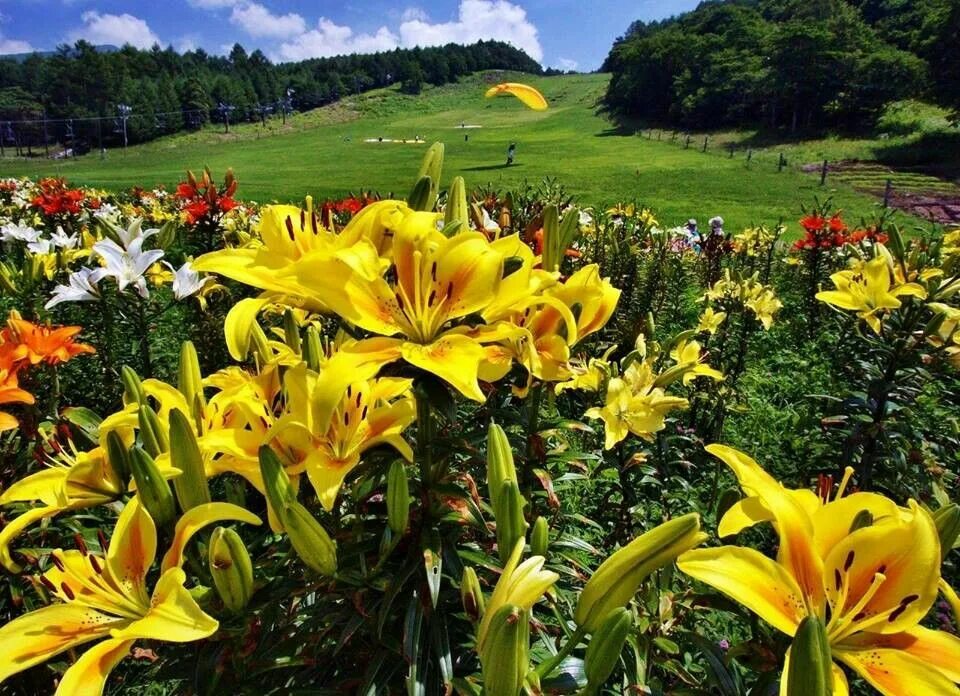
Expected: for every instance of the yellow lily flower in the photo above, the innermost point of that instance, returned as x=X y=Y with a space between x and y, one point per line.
x=764 y=304
x=688 y=357
x=370 y=413
x=105 y=597
x=867 y=568
x=71 y=482
x=710 y=321
x=868 y=290
x=948 y=335
x=434 y=280
x=634 y=405
x=587 y=375
x=520 y=584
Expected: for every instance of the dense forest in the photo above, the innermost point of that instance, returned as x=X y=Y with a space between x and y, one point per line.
x=90 y=96
x=791 y=64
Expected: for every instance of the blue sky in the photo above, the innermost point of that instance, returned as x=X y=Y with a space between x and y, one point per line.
x=570 y=34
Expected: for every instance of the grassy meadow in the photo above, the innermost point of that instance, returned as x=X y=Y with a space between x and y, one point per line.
x=323 y=152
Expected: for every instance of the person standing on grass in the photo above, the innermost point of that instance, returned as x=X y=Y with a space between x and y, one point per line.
x=511 y=152
x=693 y=234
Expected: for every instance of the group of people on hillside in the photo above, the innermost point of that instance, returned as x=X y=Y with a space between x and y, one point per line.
x=697 y=240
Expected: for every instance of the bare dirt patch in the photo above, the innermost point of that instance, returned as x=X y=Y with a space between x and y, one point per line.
x=914 y=191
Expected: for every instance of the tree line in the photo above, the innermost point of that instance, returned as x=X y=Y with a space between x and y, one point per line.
x=787 y=64
x=78 y=93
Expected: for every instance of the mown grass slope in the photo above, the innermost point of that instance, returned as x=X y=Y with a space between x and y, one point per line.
x=323 y=153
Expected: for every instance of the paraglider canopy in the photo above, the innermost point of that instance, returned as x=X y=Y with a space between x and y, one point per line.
x=525 y=93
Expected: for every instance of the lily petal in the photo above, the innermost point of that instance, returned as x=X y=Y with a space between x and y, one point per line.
x=133 y=547
x=88 y=675
x=896 y=672
x=937 y=649
x=750 y=578
x=39 y=635
x=174 y=614
x=453 y=358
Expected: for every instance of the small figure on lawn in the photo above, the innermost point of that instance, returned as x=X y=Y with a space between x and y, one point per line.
x=511 y=153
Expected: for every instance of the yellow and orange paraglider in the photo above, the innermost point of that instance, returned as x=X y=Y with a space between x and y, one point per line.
x=525 y=93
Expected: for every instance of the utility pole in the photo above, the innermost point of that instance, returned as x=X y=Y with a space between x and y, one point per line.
x=124 y=112
x=225 y=110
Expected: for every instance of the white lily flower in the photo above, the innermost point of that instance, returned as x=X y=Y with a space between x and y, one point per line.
x=488 y=224
x=62 y=240
x=82 y=287
x=20 y=233
x=128 y=265
x=40 y=246
x=186 y=281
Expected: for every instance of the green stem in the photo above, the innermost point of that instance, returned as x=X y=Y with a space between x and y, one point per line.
x=533 y=425
x=425 y=448
x=54 y=407
x=144 y=331
x=547 y=666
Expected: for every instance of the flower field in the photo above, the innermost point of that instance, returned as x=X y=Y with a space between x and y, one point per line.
x=474 y=441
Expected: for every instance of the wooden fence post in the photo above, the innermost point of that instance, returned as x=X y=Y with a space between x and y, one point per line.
x=823 y=173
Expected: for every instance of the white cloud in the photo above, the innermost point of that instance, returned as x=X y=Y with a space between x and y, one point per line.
x=212 y=4
x=476 y=20
x=14 y=46
x=566 y=64
x=258 y=21
x=187 y=42
x=413 y=13
x=331 y=39
x=116 y=30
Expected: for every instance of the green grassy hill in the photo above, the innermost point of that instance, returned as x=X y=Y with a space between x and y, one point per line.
x=323 y=153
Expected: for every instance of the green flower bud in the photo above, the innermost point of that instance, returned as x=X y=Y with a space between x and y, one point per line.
x=506 y=658
x=432 y=167
x=152 y=435
x=312 y=349
x=457 y=209
x=231 y=569
x=276 y=482
x=947 y=520
x=132 y=387
x=152 y=489
x=471 y=596
x=291 y=331
x=811 y=668
x=421 y=195
x=398 y=498
x=617 y=579
x=603 y=652
x=191 y=485
x=511 y=524
x=309 y=539
x=540 y=537
x=118 y=456
x=500 y=465
x=189 y=378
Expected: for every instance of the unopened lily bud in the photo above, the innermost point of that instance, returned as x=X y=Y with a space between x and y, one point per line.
x=231 y=569
x=603 y=652
x=152 y=489
x=151 y=432
x=617 y=579
x=260 y=344
x=504 y=219
x=457 y=209
x=551 y=235
x=7 y=283
x=431 y=168
x=500 y=465
x=933 y=326
x=118 y=456
x=189 y=378
x=649 y=326
x=511 y=524
x=309 y=539
x=191 y=485
x=506 y=655
x=895 y=242
x=947 y=520
x=420 y=196
x=312 y=349
x=398 y=498
x=471 y=595
x=811 y=665
x=132 y=387
x=540 y=537
x=275 y=481
x=291 y=331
